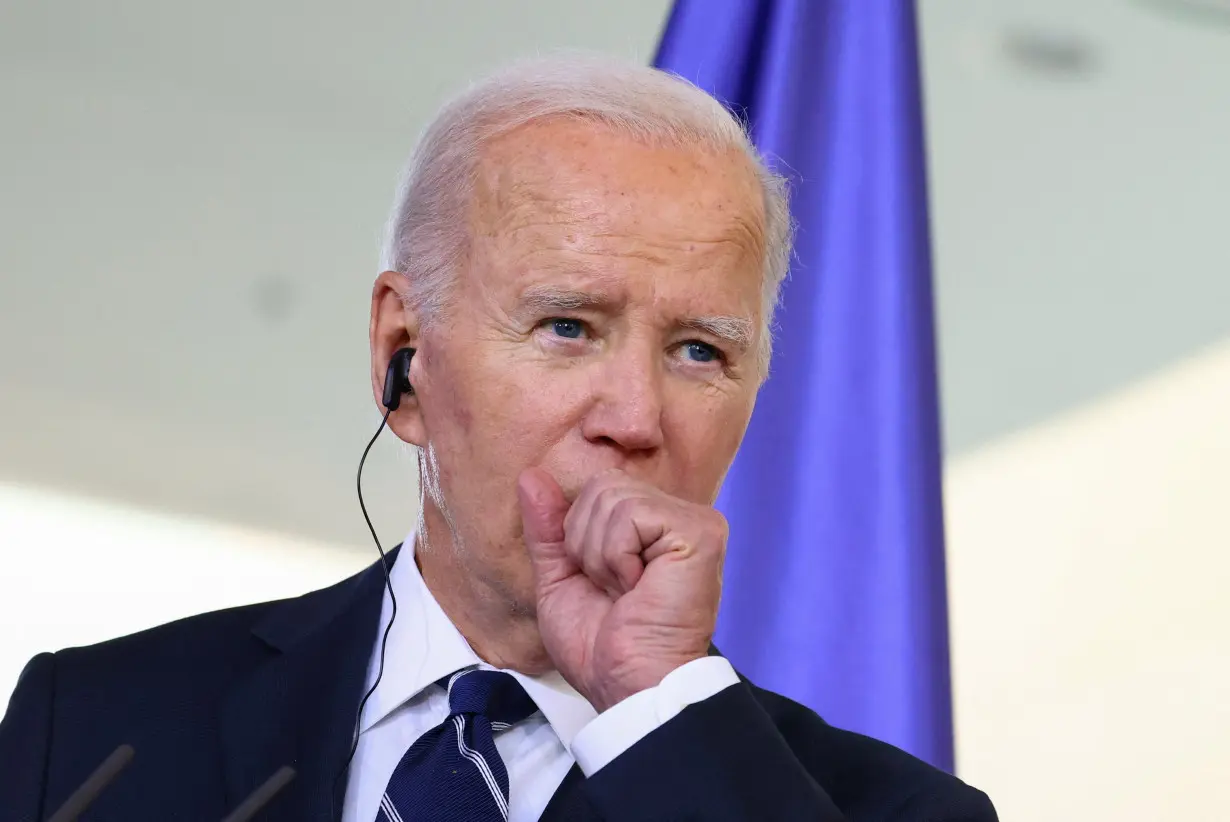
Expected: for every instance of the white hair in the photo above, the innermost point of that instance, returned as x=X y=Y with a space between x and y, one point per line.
x=428 y=230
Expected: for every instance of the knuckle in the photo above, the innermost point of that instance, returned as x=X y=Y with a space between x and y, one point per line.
x=574 y=543
x=607 y=500
x=625 y=508
x=594 y=565
x=679 y=543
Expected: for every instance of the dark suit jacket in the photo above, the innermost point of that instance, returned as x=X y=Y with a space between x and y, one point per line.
x=214 y=704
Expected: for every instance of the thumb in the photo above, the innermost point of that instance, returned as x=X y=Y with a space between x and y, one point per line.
x=543 y=508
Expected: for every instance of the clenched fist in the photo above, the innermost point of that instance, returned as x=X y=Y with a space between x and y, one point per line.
x=628 y=580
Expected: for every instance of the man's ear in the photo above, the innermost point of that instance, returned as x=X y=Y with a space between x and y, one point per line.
x=394 y=326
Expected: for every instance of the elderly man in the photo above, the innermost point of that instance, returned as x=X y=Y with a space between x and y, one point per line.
x=584 y=260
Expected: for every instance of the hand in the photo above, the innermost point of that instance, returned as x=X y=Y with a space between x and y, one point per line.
x=628 y=580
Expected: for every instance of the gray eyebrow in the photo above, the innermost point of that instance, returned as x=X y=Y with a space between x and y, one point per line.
x=549 y=297
x=736 y=331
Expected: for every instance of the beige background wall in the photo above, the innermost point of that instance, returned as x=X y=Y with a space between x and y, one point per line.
x=1090 y=595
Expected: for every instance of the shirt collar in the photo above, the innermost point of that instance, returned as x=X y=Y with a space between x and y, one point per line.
x=424 y=646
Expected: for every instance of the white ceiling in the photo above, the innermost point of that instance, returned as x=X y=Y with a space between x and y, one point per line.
x=193 y=195
x=1080 y=173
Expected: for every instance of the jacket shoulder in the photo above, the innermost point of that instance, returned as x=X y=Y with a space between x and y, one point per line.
x=867 y=778
x=182 y=646
x=217 y=641
x=156 y=690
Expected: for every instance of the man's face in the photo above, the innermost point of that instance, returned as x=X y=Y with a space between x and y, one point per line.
x=607 y=316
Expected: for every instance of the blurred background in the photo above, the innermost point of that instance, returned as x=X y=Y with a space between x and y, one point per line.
x=190 y=215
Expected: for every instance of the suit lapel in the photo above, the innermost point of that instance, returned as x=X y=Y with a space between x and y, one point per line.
x=299 y=707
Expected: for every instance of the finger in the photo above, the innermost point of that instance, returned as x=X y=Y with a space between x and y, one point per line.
x=582 y=507
x=599 y=544
x=623 y=546
x=671 y=543
x=543 y=511
x=705 y=537
x=577 y=526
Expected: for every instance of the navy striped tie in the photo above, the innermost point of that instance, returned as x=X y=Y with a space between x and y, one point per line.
x=454 y=772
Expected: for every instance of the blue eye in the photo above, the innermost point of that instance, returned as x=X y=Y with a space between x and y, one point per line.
x=701 y=352
x=569 y=329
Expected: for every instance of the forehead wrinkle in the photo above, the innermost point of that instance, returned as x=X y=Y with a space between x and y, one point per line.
x=579 y=250
x=543 y=208
x=509 y=203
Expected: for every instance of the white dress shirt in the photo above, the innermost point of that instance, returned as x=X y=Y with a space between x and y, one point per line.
x=424 y=646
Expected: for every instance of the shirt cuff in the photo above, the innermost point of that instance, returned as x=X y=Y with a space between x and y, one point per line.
x=621 y=726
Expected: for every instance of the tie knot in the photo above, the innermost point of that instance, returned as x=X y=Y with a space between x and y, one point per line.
x=494 y=694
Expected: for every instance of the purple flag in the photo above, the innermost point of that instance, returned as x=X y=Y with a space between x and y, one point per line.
x=835 y=590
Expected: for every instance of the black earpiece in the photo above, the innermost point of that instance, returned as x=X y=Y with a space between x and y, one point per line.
x=396 y=383
x=397 y=378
